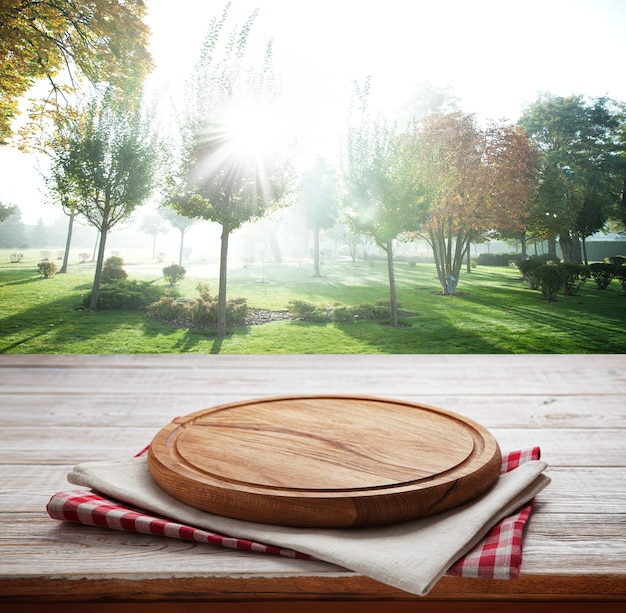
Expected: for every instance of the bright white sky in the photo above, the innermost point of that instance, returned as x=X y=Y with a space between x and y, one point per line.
x=496 y=55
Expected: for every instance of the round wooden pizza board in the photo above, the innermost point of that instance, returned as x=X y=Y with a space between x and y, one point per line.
x=324 y=461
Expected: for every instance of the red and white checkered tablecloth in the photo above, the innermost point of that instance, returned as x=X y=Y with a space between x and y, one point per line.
x=497 y=556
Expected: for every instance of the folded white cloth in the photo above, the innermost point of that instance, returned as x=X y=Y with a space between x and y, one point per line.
x=410 y=556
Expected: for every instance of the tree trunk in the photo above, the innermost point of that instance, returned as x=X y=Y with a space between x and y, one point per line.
x=552 y=247
x=68 y=242
x=180 y=251
x=95 y=290
x=570 y=247
x=274 y=246
x=153 y=245
x=221 y=296
x=523 y=242
x=584 y=249
x=393 y=303
x=316 y=252
x=468 y=260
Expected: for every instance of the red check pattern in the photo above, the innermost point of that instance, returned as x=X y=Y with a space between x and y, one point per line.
x=497 y=556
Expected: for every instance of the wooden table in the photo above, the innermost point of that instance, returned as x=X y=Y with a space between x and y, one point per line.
x=57 y=411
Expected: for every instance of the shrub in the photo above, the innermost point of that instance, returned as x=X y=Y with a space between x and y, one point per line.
x=497 y=259
x=617 y=260
x=127 y=295
x=527 y=267
x=201 y=311
x=575 y=277
x=115 y=261
x=203 y=289
x=112 y=270
x=309 y=312
x=169 y=309
x=45 y=256
x=112 y=274
x=620 y=275
x=174 y=273
x=602 y=273
x=47 y=269
x=83 y=257
x=16 y=257
x=550 y=279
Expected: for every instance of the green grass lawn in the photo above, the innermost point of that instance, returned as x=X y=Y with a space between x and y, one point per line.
x=493 y=313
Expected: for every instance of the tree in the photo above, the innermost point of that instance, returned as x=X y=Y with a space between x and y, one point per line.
x=104 y=41
x=476 y=180
x=581 y=181
x=103 y=159
x=382 y=195
x=180 y=222
x=12 y=231
x=233 y=167
x=320 y=201
x=6 y=211
x=153 y=225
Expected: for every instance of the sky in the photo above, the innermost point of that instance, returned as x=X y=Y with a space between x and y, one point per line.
x=496 y=56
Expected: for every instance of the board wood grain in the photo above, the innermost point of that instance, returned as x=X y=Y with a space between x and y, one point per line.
x=324 y=461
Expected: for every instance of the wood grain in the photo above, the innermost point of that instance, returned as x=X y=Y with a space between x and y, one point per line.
x=324 y=461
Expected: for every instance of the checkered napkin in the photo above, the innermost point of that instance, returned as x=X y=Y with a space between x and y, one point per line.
x=497 y=556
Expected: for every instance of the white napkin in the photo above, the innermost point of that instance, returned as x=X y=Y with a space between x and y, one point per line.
x=410 y=556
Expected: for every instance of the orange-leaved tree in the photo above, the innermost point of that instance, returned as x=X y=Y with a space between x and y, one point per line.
x=477 y=179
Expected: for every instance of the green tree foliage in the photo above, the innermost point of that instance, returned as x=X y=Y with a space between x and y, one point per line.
x=233 y=168
x=320 y=198
x=104 y=41
x=103 y=160
x=6 y=211
x=383 y=196
x=582 y=176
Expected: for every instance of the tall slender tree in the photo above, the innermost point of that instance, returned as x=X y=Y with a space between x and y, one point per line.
x=180 y=222
x=233 y=169
x=320 y=198
x=383 y=196
x=103 y=159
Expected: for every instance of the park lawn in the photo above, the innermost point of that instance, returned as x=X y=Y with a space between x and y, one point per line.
x=493 y=313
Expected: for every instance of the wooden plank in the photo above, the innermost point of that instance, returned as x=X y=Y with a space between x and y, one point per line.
x=330 y=374
x=143 y=407
x=549 y=549
x=74 y=444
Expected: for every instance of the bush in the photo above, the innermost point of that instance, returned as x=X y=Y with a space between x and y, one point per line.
x=550 y=279
x=620 y=275
x=616 y=260
x=169 y=309
x=307 y=311
x=174 y=273
x=127 y=295
x=112 y=270
x=115 y=261
x=575 y=277
x=527 y=267
x=112 y=274
x=602 y=273
x=202 y=311
x=47 y=269
x=498 y=259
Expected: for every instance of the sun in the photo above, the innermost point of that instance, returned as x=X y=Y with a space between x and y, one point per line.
x=251 y=130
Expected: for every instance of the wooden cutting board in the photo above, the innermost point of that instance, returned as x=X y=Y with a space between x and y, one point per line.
x=324 y=461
